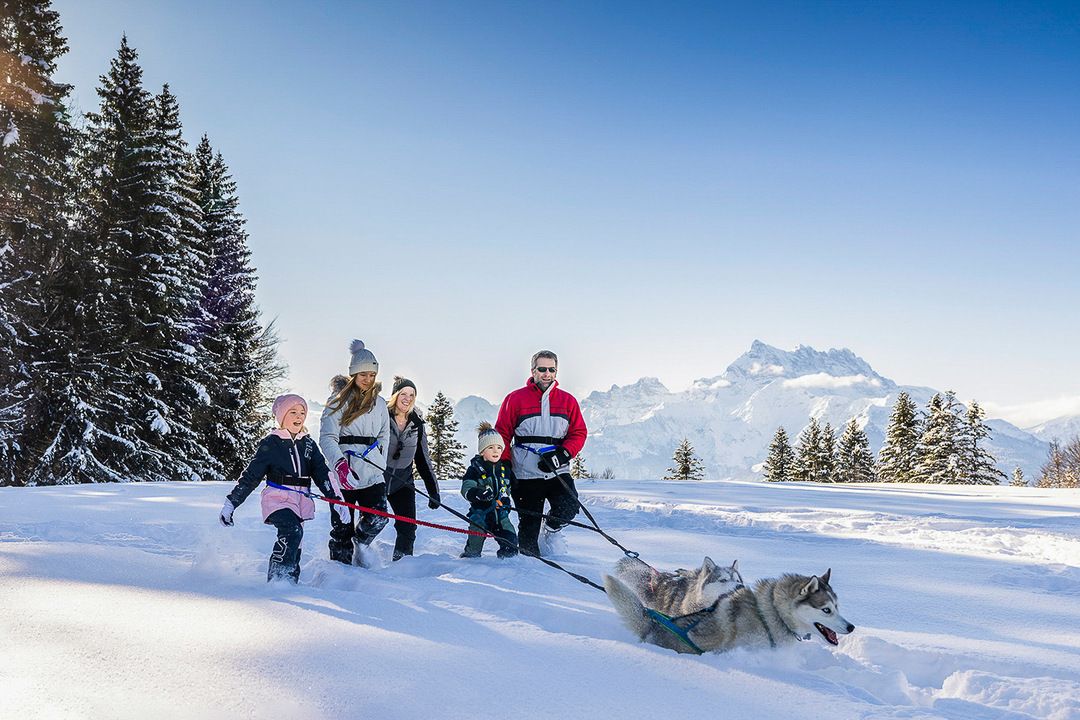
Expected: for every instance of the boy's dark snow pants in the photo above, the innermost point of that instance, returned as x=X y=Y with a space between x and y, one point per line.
x=500 y=527
x=285 y=559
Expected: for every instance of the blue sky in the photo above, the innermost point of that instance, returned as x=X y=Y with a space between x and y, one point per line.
x=643 y=187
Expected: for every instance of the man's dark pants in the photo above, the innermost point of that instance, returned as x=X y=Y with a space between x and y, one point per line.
x=529 y=496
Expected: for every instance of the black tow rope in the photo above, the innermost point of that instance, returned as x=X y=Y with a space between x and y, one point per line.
x=595 y=526
x=550 y=563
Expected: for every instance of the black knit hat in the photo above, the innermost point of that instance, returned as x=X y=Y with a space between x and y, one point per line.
x=400 y=382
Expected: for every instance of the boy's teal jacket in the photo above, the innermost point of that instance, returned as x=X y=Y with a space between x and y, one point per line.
x=481 y=473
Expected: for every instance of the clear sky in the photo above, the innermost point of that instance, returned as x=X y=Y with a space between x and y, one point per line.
x=644 y=187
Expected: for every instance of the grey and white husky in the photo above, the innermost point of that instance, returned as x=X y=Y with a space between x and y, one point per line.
x=682 y=591
x=775 y=611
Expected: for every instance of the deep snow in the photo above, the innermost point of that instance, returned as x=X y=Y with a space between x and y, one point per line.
x=130 y=601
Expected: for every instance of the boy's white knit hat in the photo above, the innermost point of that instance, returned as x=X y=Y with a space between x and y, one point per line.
x=488 y=436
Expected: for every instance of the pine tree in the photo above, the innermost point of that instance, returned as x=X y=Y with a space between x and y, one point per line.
x=808 y=453
x=780 y=464
x=854 y=461
x=1018 y=479
x=826 y=450
x=128 y=222
x=447 y=454
x=897 y=459
x=578 y=471
x=940 y=458
x=980 y=467
x=183 y=374
x=239 y=356
x=687 y=465
x=36 y=142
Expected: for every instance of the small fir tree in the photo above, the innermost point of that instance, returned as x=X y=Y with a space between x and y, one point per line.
x=854 y=461
x=980 y=467
x=940 y=456
x=578 y=471
x=808 y=453
x=826 y=450
x=447 y=454
x=780 y=464
x=687 y=465
x=1018 y=479
x=898 y=456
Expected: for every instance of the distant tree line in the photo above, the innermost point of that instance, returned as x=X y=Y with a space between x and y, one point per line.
x=130 y=342
x=942 y=444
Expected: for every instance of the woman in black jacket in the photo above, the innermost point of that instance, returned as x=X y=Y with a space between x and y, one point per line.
x=408 y=447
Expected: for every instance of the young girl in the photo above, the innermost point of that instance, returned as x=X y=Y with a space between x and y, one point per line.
x=486 y=486
x=354 y=435
x=287 y=456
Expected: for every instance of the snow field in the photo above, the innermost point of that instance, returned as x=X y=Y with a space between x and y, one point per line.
x=130 y=600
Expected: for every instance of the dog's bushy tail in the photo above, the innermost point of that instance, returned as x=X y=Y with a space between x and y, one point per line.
x=628 y=605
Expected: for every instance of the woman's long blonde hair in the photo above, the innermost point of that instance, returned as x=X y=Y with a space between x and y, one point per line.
x=355 y=401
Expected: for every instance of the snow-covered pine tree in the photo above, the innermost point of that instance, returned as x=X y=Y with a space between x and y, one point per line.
x=940 y=457
x=808 y=453
x=129 y=222
x=826 y=450
x=854 y=461
x=578 y=471
x=238 y=354
x=183 y=374
x=780 y=464
x=1018 y=479
x=447 y=454
x=897 y=459
x=687 y=465
x=980 y=467
x=36 y=142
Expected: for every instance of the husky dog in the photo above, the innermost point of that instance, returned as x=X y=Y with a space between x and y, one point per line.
x=774 y=612
x=682 y=591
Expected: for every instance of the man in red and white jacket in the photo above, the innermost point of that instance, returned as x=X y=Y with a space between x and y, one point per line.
x=543 y=430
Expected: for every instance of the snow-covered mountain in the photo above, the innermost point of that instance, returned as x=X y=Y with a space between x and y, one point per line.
x=1062 y=429
x=730 y=418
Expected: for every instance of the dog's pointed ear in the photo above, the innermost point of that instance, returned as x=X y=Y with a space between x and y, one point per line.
x=735 y=566
x=825 y=577
x=708 y=565
x=810 y=587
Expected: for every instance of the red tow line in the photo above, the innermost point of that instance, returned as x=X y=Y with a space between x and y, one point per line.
x=373 y=511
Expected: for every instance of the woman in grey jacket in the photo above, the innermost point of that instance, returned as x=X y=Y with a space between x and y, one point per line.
x=408 y=447
x=354 y=435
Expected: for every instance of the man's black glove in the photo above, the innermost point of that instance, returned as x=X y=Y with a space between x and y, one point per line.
x=480 y=496
x=550 y=460
x=434 y=501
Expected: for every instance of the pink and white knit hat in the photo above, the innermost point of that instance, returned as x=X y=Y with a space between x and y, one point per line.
x=283 y=403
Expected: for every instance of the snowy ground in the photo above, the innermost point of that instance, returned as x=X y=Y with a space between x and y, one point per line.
x=130 y=601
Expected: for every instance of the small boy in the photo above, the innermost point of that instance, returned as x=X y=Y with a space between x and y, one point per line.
x=486 y=486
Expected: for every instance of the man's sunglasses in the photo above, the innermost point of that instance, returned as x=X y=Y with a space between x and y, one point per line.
x=544 y=369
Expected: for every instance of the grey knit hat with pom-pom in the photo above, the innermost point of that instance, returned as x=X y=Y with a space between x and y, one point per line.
x=488 y=436
x=362 y=359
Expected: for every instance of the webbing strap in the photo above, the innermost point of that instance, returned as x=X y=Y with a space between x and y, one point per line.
x=683 y=635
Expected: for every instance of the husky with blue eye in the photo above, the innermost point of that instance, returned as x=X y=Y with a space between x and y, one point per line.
x=775 y=611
